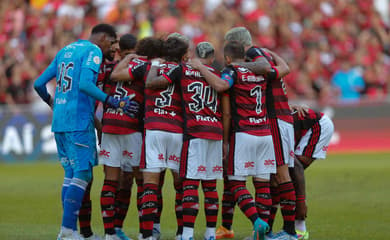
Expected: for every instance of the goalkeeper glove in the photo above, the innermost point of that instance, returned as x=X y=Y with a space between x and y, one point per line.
x=112 y=102
x=130 y=108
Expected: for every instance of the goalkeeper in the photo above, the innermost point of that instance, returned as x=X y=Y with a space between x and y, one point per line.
x=76 y=68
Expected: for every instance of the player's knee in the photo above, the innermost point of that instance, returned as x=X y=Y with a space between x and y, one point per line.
x=282 y=174
x=85 y=175
x=126 y=180
x=305 y=161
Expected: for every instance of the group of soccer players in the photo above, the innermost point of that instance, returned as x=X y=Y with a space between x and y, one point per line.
x=165 y=111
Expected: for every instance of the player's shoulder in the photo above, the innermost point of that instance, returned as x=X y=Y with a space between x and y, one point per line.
x=138 y=61
x=229 y=69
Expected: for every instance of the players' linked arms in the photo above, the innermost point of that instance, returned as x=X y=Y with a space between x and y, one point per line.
x=259 y=67
x=226 y=116
x=121 y=71
x=280 y=65
x=215 y=81
x=153 y=80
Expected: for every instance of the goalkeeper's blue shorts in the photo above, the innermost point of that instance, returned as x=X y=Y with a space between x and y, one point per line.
x=77 y=149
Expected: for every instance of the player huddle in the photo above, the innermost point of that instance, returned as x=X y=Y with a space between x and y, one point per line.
x=166 y=111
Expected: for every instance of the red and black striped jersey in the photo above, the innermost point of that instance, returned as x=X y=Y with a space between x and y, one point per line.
x=163 y=110
x=202 y=111
x=116 y=122
x=103 y=76
x=104 y=73
x=277 y=100
x=303 y=124
x=247 y=99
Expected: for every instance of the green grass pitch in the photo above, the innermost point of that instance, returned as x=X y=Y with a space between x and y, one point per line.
x=348 y=198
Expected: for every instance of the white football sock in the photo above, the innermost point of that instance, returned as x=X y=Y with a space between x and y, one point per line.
x=210 y=232
x=187 y=233
x=300 y=225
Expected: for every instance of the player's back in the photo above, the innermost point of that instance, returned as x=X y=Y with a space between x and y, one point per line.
x=203 y=117
x=247 y=97
x=303 y=123
x=73 y=110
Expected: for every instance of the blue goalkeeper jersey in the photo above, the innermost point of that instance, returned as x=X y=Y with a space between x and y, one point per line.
x=73 y=109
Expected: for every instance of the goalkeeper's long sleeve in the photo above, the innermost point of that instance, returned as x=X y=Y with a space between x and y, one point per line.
x=88 y=86
x=40 y=84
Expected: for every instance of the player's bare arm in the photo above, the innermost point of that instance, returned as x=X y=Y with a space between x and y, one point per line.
x=121 y=71
x=215 y=81
x=259 y=67
x=153 y=80
x=280 y=65
x=226 y=122
x=298 y=175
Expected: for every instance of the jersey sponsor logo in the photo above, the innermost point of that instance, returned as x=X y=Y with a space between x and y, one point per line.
x=160 y=111
x=114 y=111
x=206 y=118
x=249 y=165
x=325 y=148
x=174 y=158
x=126 y=153
x=257 y=120
x=217 y=168
x=202 y=168
x=269 y=162
x=104 y=153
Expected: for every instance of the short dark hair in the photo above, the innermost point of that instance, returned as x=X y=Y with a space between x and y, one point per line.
x=104 y=28
x=234 y=49
x=150 y=47
x=127 y=42
x=174 y=49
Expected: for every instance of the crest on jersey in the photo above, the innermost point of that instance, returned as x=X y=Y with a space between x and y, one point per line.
x=96 y=60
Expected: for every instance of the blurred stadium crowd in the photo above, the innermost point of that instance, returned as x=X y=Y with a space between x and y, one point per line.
x=338 y=50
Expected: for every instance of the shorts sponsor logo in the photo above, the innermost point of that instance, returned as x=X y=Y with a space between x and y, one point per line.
x=161 y=157
x=217 y=168
x=292 y=154
x=104 y=153
x=71 y=162
x=202 y=168
x=127 y=154
x=174 y=158
x=249 y=165
x=325 y=148
x=269 y=162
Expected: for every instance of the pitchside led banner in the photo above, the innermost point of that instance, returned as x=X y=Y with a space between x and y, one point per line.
x=25 y=134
